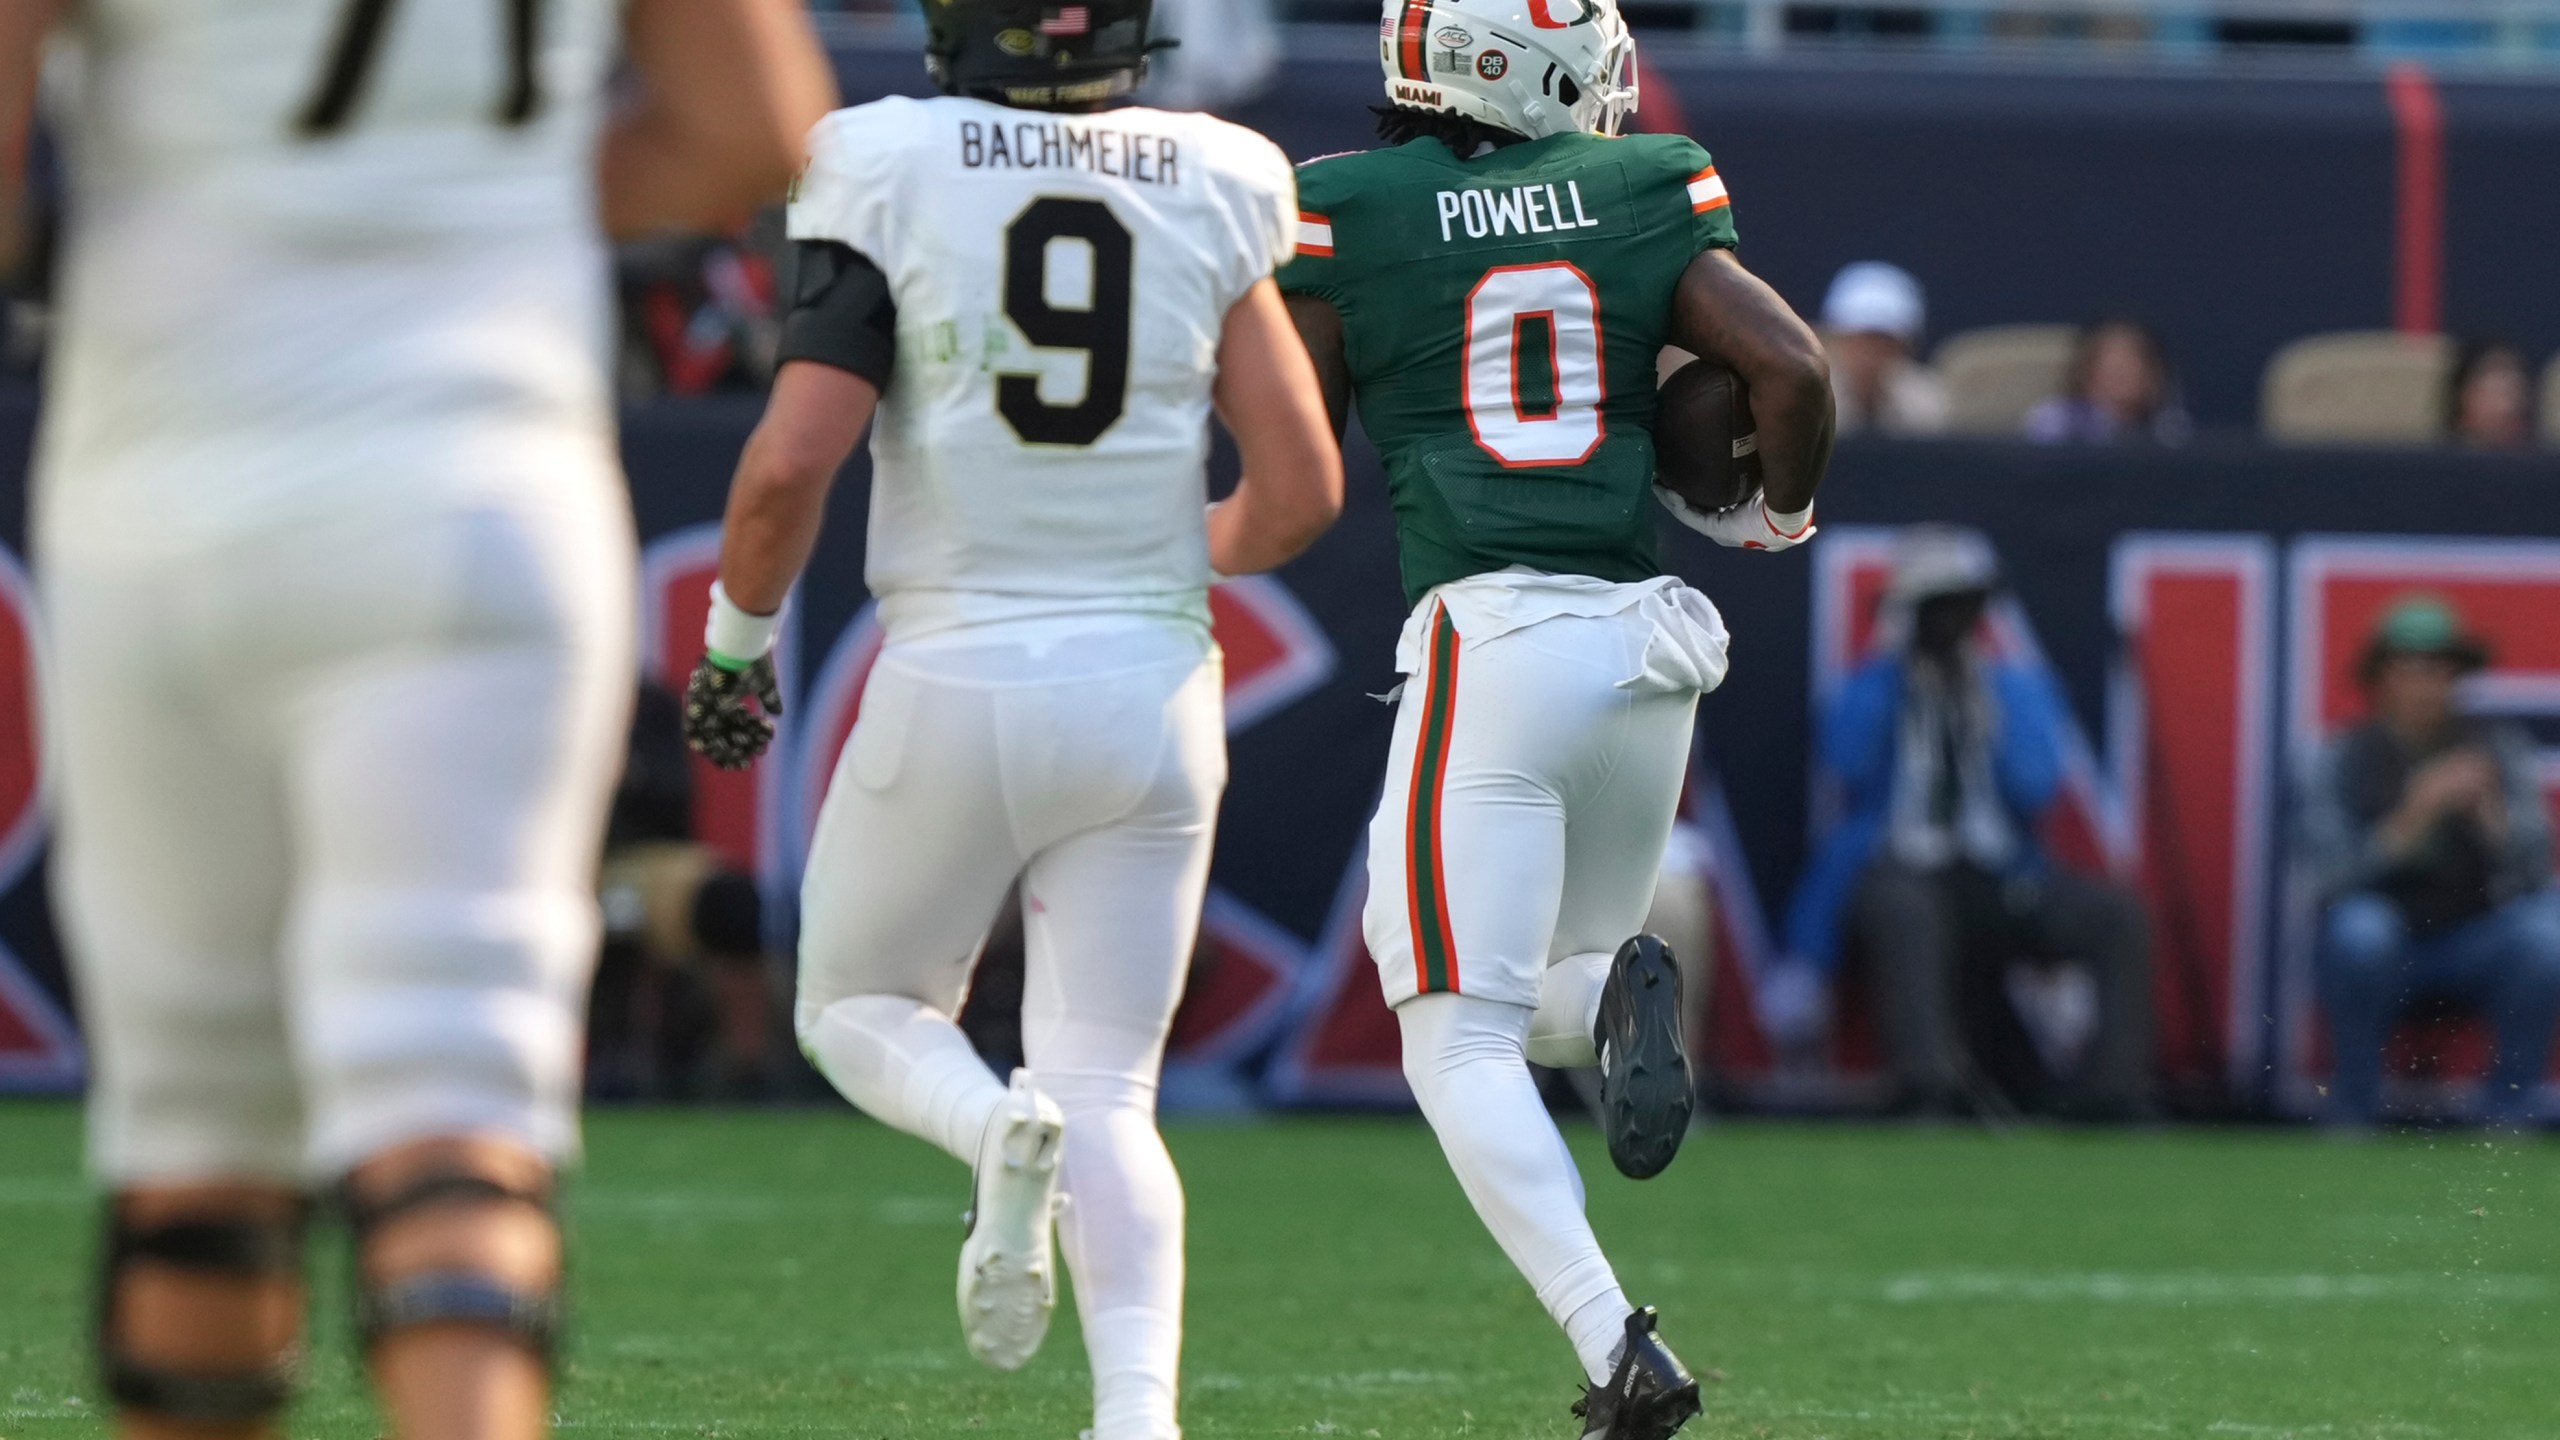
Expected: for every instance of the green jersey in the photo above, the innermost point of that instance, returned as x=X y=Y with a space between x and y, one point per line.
x=1501 y=317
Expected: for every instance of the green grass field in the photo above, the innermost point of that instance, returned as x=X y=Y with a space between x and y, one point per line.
x=751 y=1274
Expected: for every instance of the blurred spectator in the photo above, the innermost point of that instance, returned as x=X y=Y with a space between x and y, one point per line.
x=2426 y=832
x=2118 y=388
x=2488 y=399
x=685 y=994
x=1872 y=321
x=1948 y=759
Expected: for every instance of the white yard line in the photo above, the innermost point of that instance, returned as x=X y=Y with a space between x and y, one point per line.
x=1937 y=1411
x=2198 y=1287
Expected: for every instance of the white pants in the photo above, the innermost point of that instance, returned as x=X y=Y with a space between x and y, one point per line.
x=1537 y=762
x=329 y=798
x=1530 y=791
x=1090 y=767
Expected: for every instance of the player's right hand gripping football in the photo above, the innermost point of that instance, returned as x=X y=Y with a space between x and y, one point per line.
x=1747 y=526
x=719 y=723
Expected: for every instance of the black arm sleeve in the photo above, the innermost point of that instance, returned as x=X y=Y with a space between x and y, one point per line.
x=841 y=312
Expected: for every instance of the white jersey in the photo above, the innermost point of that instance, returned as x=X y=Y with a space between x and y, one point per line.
x=311 y=267
x=1061 y=282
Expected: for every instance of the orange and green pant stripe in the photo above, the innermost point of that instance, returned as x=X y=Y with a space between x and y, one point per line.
x=1435 y=953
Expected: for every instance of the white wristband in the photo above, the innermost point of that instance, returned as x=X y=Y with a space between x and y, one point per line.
x=734 y=634
x=1788 y=523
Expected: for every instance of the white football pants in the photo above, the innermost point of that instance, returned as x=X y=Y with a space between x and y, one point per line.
x=1530 y=791
x=1091 y=768
x=329 y=798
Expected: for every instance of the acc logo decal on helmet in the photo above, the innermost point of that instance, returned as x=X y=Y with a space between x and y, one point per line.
x=1453 y=37
x=1015 y=42
x=1491 y=64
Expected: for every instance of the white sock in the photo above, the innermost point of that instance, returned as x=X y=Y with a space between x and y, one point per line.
x=905 y=1064
x=1134 y=1352
x=1122 y=1228
x=1465 y=1059
x=1599 y=1332
x=1568 y=1010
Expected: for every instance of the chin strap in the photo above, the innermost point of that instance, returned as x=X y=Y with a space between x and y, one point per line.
x=230 y=1248
x=529 y=1316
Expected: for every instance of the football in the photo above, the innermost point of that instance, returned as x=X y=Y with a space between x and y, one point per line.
x=1706 y=449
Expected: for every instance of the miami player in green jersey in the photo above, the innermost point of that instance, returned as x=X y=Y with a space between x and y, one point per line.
x=1494 y=289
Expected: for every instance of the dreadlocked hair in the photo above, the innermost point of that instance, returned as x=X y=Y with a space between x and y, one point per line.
x=1463 y=134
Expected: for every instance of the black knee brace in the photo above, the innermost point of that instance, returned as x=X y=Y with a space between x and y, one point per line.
x=450 y=1297
x=246 y=1249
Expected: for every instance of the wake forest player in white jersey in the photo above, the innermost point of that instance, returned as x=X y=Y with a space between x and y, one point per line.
x=1043 y=299
x=338 y=570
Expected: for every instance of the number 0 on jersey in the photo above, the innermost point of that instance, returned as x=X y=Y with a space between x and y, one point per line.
x=1535 y=377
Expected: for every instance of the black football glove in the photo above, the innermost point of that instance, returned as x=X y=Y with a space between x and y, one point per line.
x=719 y=723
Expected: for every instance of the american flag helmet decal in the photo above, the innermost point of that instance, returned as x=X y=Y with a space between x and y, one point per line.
x=1041 y=54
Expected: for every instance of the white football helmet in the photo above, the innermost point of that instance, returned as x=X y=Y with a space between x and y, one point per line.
x=1535 y=67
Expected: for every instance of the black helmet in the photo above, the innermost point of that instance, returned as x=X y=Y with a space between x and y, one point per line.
x=1040 y=54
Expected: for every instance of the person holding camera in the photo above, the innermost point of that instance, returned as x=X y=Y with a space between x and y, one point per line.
x=2426 y=832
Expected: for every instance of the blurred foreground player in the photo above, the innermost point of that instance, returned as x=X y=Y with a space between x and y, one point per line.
x=1044 y=300
x=339 y=570
x=1494 y=288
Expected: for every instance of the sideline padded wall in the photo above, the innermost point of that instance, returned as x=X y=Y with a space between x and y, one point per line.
x=2193 y=605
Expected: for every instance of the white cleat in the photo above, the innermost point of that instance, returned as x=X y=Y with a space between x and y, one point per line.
x=1009 y=1263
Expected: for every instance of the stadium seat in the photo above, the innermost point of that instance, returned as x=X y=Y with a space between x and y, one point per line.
x=2547 y=404
x=1996 y=374
x=2357 y=387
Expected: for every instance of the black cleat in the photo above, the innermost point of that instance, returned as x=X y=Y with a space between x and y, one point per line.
x=1646 y=1093
x=1650 y=1394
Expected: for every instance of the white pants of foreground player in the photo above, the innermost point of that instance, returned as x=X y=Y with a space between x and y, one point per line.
x=329 y=797
x=1539 y=750
x=1089 y=765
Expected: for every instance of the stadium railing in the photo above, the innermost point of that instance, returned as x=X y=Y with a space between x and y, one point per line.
x=2499 y=34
